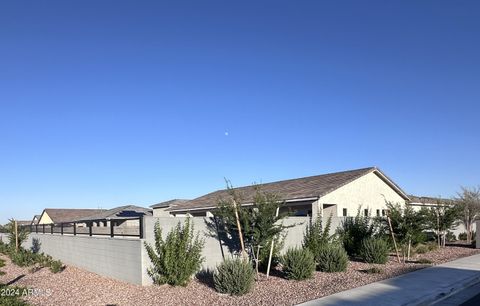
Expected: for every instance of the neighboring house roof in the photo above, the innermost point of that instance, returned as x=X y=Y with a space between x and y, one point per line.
x=422 y=200
x=59 y=215
x=23 y=222
x=121 y=212
x=35 y=219
x=169 y=203
x=290 y=190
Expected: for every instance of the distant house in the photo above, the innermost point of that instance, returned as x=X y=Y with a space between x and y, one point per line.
x=336 y=194
x=417 y=202
x=35 y=220
x=63 y=215
x=162 y=209
x=120 y=216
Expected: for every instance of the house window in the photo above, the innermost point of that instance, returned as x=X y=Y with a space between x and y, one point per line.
x=365 y=212
x=378 y=212
x=344 y=212
x=383 y=212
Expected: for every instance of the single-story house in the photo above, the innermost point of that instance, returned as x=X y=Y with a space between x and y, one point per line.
x=417 y=202
x=337 y=194
x=64 y=215
x=120 y=216
x=35 y=220
x=161 y=209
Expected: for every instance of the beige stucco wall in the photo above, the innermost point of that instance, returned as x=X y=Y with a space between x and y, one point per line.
x=161 y=212
x=45 y=219
x=369 y=191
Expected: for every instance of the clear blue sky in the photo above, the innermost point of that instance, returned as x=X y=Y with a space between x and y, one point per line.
x=105 y=103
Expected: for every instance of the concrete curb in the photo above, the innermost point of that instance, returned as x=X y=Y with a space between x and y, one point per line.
x=422 y=287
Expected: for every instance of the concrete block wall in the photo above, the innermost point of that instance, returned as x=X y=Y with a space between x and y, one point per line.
x=111 y=257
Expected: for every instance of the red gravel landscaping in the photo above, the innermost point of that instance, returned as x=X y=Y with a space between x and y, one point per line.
x=75 y=286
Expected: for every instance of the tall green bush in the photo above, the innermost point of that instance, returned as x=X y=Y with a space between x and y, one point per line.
x=374 y=251
x=332 y=258
x=175 y=259
x=354 y=230
x=234 y=277
x=316 y=236
x=298 y=264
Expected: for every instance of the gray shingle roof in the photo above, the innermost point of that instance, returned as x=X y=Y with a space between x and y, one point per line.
x=121 y=212
x=169 y=203
x=428 y=200
x=59 y=215
x=35 y=219
x=300 y=188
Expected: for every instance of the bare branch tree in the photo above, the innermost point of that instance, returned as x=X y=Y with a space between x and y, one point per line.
x=469 y=202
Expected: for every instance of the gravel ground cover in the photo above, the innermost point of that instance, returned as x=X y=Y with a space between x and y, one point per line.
x=75 y=286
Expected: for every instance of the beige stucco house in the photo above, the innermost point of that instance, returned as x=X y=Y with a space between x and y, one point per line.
x=338 y=194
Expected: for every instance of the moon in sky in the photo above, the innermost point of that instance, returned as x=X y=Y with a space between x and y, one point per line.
x=226 y=133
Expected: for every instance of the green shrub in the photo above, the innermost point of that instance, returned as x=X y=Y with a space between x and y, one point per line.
x=234 y=277
x=450 y=236
x=316 y=236
x=175 y=259
x=332 y=258
x=24 y=258
x=424 y=261
x=432 y=246
x=353 y=231
x=374 y=251
x=373 y=270
x=56 y=266
x=298 y=264
x=421 y=249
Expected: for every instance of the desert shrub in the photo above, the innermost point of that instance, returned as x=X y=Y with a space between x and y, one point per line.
x=373 y=270
x=298 y=264
x=462 y=236
x=332 y=258
x=424 y=261
x=24 y=258
x=374 y=251
x=2 y=264
x=316 y=236
x=56 y=266
x=353 y=231
x=421 y=249
x=450 y=236
x=175 y=259
x=4 y=248
x=432 y=246
x=234 y=277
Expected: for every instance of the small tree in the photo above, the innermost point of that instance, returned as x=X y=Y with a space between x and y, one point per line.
x=441 y=218
x=259 y=222
x=22 y=234
x=175 y=259
x=407 y=225
x=469 y=203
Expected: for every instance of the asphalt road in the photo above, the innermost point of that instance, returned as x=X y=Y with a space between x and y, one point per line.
x=467 y=297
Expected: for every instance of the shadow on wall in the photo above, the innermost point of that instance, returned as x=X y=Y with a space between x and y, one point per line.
x=215 y=229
